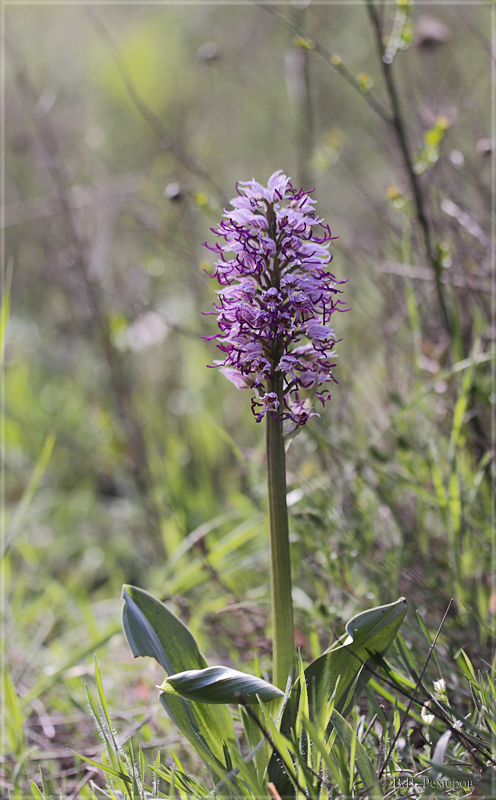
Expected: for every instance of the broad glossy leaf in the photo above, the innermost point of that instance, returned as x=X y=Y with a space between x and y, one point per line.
x=152 y=630
x=220 y=685
x=369 y=633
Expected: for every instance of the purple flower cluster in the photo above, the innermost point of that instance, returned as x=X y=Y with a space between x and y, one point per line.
x=277 y=298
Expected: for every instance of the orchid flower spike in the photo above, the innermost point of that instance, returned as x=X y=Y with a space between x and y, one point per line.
x=276 y=299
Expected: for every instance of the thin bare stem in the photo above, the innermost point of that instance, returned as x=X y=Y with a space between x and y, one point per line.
x=332 y=59
x=166 y=138
x=399 y=129
x=476 y=31
x=393 y=117
x=304 y=124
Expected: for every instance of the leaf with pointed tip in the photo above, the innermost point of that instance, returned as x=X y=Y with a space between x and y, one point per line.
x=36 y=792
x=152 y=630
x=369 y=633
x=341 y=672
x=220 y=685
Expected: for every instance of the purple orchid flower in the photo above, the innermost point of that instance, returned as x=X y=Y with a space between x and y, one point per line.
x=277 y=297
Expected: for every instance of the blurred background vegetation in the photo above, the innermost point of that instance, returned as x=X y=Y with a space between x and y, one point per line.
x=127 y=460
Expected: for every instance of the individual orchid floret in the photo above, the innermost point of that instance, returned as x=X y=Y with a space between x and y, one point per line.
x=276 y=299
x=268 y=402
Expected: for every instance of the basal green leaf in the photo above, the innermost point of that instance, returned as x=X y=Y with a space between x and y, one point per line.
x=152 y=630
x=341 y=671
x=370 y=632
x=220 y=685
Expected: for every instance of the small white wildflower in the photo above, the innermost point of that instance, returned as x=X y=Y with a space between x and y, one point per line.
x=440 y=686
x=428 y=718
x=457 y=724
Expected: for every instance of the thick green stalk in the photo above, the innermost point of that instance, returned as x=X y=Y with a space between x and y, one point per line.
x=280 y=560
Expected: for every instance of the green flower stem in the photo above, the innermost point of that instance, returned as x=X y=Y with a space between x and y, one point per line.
x=280 y=560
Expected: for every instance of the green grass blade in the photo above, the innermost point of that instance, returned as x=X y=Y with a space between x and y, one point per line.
x=5 y=310
x=44 y=683
x=387 y=695
x=318 y=741
x=106 y=769
x=96 y=718
x=192 y=540
x=13 y=715
x=444 y=375
x=46 y=791
x=229 y=545
x=103 y=703
x=465 y=665
x=28 y=493
x=284 y=747
x=461 y=405
x=358 y=755
x=481 y=469
x=36 y=792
